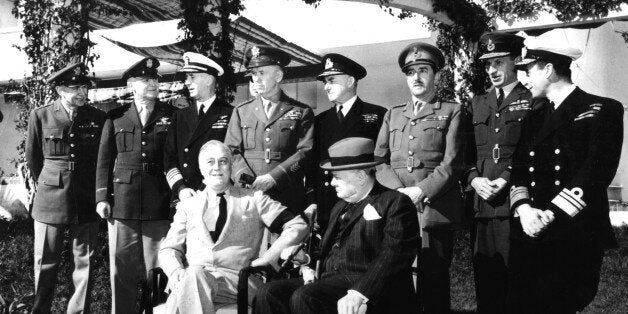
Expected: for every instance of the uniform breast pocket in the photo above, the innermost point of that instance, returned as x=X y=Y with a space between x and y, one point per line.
x=122 y=176
x=248 y=134
x=124 y=138
x=480 y=130
x=286 y=129
x=513 y=128
x=434 y=133
x=53 y=142
x=394 y=139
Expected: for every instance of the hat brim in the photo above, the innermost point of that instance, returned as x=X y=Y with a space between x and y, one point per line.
x=427 y=62
x=321 y=77
x=326 y=165
x=521 y=65
x=494 y=55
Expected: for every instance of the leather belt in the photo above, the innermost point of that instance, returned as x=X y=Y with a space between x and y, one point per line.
x=145 y=166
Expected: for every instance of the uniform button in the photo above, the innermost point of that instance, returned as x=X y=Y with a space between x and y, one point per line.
x=185 y=165
x=326 y=172
x=496 y=130
x=557 y=167
x=411 y=137
x=71 y=134
x=92 y=135
x=413 y=123
x=52 y=136
x=336 y=245
x=185 y=150
x=556 y=182
x=72 y=155
x=267 y=129
x=531 y=153
x=531 y=169
x=532 y=183
x=532 y=199
x=123 y=130
x=410 y=153
x=326 y=183
x=557 y=151
x=143 y=154
x=143 y=143
x=497 y=114
x=267 y=139
x=71 y=144
x=143 y=132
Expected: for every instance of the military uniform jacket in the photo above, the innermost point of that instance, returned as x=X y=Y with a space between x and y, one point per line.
x=376 y=245
x=277 y=146
x=496 y=134
x=362 y=120
x=186 y=135
x=130 y=173
x=568 y=156
x=62 y=157
x=424 y=151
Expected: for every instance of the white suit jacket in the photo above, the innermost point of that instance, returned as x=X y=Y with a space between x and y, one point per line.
x=189 y=243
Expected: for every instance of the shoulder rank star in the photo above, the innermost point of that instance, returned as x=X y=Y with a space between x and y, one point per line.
x=164 y=120
x=149 y=63
x=490 y=46
x=255 y=52
x=329 y=64
x=77 y=71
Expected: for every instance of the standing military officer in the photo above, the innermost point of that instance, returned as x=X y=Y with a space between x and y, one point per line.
x=496 y=117
x=272 y=134
x=61 y=152
x=348 y=117
x=567 y=157
x=205 y=119
x=131 y=185
x=421 y=142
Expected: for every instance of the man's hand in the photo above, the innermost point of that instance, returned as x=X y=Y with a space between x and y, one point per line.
x=486 y=188
x=263 y=183
x=186 y=193
x=309 y=211
x=260 y=261
x=174 y=279
x=309 y=275
x=350 y=303
x=534 y=220
x=498 y=185
x=103 y=209
x=414 y=193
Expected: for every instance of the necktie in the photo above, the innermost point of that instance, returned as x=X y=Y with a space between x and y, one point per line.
x=417 y=107
x=222 y=217
x=72 y=114
x=201 y=111
x=268 y=109
x=341 y=116
x=500 y=97
x=144 y=113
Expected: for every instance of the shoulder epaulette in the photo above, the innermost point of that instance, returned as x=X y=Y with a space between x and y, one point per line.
x=42 y=107
x=245 y=102
x=399 y=106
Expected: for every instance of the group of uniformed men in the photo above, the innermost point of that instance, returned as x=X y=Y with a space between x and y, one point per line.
x=536 y=156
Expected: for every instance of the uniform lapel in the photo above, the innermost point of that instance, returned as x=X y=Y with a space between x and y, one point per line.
x=61 y=114
x=282 y=107
x=353 y=116
x=158 y=112
x=565 y=113
x=428 y=109
x=490 y=99
x=517 y=93
x=190 y=119
x=133 y=115
x=408 y=110
x=259 y=109
x=210 y=117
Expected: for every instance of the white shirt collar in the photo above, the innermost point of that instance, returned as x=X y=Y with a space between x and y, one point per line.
x=211 y=193
x=346 y=106
x=559 y=96
x=68 y=109
x=507 y=89
x=207 y=103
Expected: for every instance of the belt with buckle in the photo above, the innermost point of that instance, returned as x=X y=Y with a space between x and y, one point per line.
x=496 y=153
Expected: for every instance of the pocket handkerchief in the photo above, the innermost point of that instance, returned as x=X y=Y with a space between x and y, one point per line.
x=370 y=213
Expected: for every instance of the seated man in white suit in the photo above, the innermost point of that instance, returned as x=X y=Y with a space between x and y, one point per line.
x=218 y=232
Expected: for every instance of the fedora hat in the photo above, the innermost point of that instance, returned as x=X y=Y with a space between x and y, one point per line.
x=351 y=153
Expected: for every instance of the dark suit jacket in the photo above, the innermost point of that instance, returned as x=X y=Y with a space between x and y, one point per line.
x=363 y=120
x=380 y=251
x=186 y=136
x=130 y=172
x=64 y=195
x=577 y=146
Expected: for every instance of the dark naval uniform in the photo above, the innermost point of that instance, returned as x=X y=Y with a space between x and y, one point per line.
x=61 y=153
x=277 y=146
x=497 y=130
x=363 y=120
x=565 y=162
x=186 y=135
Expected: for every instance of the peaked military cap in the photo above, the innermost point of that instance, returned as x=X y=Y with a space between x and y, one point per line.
x=351 y=153
x=421 y=53
x=547 y=51
x=72 y=75
x=198 y=63
x=260 y=55
x=145 y=67
x=494 y=45
x=334 y=63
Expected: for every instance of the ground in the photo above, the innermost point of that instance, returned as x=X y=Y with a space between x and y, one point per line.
x=16 y=273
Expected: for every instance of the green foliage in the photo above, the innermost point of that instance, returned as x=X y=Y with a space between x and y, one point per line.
x=198 y=17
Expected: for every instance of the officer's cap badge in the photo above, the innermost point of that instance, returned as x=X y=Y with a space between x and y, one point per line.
x=77 y=71
x=490 y=45
x=255 y=52
x=417 y=54
x=186 y=60
x=329 y=64
x=149 y=63
x=524 y=52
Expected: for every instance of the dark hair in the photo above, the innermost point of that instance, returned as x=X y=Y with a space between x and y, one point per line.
x=561 y=68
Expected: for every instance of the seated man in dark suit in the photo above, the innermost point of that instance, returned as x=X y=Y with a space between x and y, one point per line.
x=367 y=250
